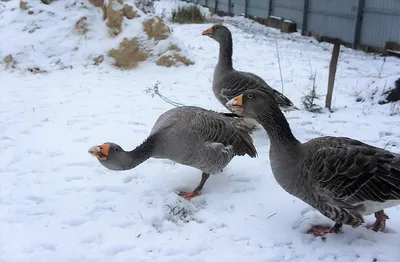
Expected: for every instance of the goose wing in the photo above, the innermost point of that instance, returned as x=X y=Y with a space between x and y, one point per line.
x=236 y=82
x=216 y=128
x=351 y=173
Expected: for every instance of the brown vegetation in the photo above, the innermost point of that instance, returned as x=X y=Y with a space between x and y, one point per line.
x=128 y=54
x=129 y=12
x=97 y=3
x=156 y=28
x=9 y=61
x=188 y=15
x=172 y=60
x=114 y=17
x=81 y=26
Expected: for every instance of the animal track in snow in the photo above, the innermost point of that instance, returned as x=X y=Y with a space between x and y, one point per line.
x=84 y=139
x=75 y=222
x=305 y=123
x=36 y=199
x=73 y=178
x=55 y=153
x=119 y=249
x=92 y=238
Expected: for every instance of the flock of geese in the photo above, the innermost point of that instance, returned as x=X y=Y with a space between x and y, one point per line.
x=344 y=179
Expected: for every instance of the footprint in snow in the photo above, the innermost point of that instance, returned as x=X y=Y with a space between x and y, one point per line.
x=92 y=238
x=55 y=153
x=119 y=249
x=75 y=222
x=36 y=199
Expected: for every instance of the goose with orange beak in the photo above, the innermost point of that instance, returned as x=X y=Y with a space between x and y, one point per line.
x=343 y=178
x=228 y=82
x=188 y=135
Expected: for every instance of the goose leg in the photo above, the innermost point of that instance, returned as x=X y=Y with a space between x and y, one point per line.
x=323 y=230
x=380 y=222
x=196 y=191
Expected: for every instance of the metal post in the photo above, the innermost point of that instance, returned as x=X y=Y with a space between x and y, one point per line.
x=305 y=14
x=245 y=7
x=269 y=8
x=358 y=23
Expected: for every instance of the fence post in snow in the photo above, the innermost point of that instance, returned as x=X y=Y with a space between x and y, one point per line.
x=332 y=72
x=245 y=8
x=358 y=23
x=269 y=8
x=305 y=15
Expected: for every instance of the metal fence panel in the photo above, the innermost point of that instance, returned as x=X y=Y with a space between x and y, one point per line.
x=258 y=8
x=366 y=22
x=289 y=10
x=223 y=5
x=380 y=23
x=211 y=3
x=333 y=18
x=239 y=7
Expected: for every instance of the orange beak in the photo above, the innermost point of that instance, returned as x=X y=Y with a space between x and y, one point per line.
x=100 y=152
x=236 y=104
x=208 y=32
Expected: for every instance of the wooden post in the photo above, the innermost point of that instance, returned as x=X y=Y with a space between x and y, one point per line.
x=332 y=72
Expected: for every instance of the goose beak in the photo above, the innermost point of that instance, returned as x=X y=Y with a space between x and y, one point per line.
x=100 y=152
x=236 y=104
x=208 y=32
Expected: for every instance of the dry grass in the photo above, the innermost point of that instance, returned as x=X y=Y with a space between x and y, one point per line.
x=172 y=60
x=128 y=55
x=114 y=17
x=81 y=26
x=188 y=15
x=174 y=48
x=97 y=3
x=98 y=60
x=23 y=5
x=129 y=12
x=9 y=61
x=156 y=28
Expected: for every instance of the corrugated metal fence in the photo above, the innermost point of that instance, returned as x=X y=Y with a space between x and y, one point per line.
x=357 y=22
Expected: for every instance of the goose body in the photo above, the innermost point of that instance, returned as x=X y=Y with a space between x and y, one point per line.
x=343 y=178
x=228 y=82
x=188 y=135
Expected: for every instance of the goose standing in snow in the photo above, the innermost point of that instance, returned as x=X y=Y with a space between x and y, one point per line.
x=228 y=82
x=188 y=135
x=342 y=178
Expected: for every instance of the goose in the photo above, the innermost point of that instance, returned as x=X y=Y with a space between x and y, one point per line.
x=343 y=178
x=188 y=135
x=228 y=82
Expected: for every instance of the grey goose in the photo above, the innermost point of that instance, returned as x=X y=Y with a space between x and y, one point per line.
x=188 y=135
x=228 y=82
x=343 y=178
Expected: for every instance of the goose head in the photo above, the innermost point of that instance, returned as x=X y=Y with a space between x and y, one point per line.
x=253 y=104
x=111 y=156
x=218 y=32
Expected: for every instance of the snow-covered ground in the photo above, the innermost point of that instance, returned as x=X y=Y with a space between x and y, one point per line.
x=57 y=203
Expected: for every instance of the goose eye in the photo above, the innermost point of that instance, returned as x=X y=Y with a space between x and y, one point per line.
x=117 y=149
x=250 y=96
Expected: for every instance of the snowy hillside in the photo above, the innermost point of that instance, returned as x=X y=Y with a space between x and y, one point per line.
x=69 y=33
x=57 y=203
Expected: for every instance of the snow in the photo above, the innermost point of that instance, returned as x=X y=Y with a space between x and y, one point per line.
x=47 y=39
x=57 y=203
